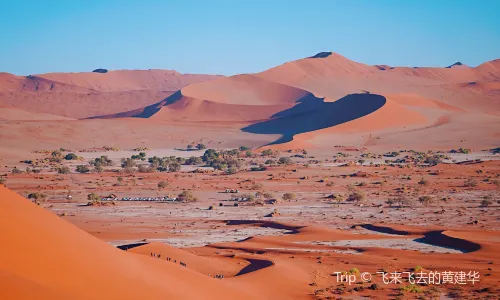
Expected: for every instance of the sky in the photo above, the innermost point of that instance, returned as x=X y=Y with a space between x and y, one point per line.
x=231 y=37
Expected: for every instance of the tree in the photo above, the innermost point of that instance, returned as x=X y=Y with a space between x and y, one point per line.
x=82 y=169
x=142 y=155
x=201 y=147
x=71 y=156
x=162 y=184
x=289 y=196
x=285 y=161
x=361 y=161
x=244 y=148
x=187 y=196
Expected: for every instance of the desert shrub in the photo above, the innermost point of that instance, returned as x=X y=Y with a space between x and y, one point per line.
x=259 y=168
x=93 y=197
x=128 y=163
x=285 y=160
x=2 y=180
x=418 y=269
x=425 y=200
x=403 y=201
x=142 y=155
x=162 y=184
x=98 y=168
x=174 y=167
x=244 y=148
x=82 y=169
x=38 y=198
x=193 y=160
x=103 y=161
x=256 y=186
x=487 y=201
x=270 y=162
x=432 y=160
x=267 y=195
x=248 y=197
x=145 y=169
x=496 y=182
x=15 y=170
x=56 y=156
x=63 y=170
x=423 y=182
x=289 y=196
x=354 y=271
x=267 y=152
x=187 y=196
x=361 y=161
x=356 y=196
x=71 y=156
x=391 y=154
x=470 y=182
x=231 y=170
x=390 y=202
x=248 y=154
x=201 y=147
x=36 y=171
x=412 y=288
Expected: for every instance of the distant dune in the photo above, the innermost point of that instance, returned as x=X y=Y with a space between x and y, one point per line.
x=81 y=95
x=309 y=101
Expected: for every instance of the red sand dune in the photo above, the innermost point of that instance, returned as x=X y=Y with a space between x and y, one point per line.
x=81 y=95
x=306 y=97
x=44 y=257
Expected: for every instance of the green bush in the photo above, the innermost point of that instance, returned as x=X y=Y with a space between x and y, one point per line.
x=71 y=156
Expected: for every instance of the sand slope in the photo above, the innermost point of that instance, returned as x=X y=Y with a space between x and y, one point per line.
x=55 y=260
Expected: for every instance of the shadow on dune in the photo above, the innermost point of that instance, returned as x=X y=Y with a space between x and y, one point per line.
x=145 y=112
x=255 y=265
x=313 y=113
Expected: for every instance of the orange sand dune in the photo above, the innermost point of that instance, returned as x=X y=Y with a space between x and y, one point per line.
x=202 y=264
x=45 y=254
x=237 y=98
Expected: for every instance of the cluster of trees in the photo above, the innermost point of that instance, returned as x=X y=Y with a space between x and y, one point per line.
x=225 y=160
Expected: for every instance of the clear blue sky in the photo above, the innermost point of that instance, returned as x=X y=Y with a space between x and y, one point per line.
x=233 y=36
